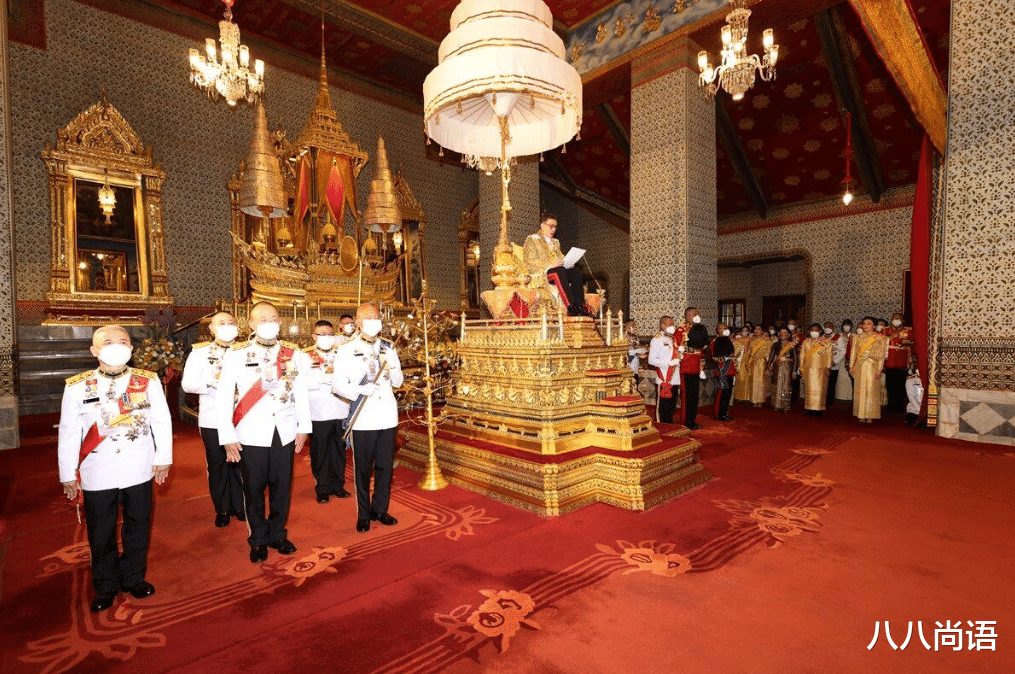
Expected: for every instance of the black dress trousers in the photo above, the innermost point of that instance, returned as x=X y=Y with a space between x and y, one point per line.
x=373 y=452
x=327 y=456
x=271 y=469
x=112 y=570
x=225 y=484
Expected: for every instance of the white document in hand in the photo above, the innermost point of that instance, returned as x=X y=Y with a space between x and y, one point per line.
x=572 y=257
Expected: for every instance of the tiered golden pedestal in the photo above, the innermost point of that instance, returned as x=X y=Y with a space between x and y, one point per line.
x=545 y=417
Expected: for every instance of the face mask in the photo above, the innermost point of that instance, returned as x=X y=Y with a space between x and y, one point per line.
x=828 y=331
x=267 y=331
x=847 y=328
x=372 y=327
x=815 y=334
x=792 y=328
x=226 y=333
x=771 y=332
x=115 y=355
x=744 y=333
x=896 y=322
x=725 y=333
x=880 y=328
x=696 y=319
x=324 y=342
x=348 y=328
x=670 y=330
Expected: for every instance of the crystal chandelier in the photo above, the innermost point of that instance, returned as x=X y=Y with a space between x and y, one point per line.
x=228 y=73
x=737 y=72
x=107 y=199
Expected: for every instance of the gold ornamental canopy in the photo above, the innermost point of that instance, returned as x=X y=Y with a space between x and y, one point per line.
x=262 y=193
x=382 y=213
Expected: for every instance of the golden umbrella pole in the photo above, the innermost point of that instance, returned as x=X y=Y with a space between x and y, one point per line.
x=432 y=479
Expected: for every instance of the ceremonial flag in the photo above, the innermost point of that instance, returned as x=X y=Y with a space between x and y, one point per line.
x=302 y=193
x=335 y=194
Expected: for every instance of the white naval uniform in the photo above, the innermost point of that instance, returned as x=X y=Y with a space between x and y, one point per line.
x=660 y=353
x=328 y=412
x=201 y=376
x=134 y=440
x=325 y=404
x=285 y=406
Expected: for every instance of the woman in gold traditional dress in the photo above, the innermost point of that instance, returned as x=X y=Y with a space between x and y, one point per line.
x=815 y=362
x=866 y=363
x=742 y=383
x=782 y=368
x=756 y=361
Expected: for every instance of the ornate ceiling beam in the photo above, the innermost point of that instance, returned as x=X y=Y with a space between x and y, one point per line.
x=553 y=161
x=609 y=211
x=897 y=37
x=738 y=157
x=365 y=23
x=835 y=47
x=615 y=126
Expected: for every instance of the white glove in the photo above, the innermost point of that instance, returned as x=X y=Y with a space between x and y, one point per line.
x=702 y=375
x=680 y=349
x=674 y=362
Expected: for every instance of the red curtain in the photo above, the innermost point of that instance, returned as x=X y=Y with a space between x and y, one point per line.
x=919 y=255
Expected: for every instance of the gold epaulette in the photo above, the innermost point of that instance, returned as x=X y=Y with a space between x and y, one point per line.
x=289 y=345
x=200 y=344
x=307 y=349
x=80 y=377
x=144 y=373
x=240 y=345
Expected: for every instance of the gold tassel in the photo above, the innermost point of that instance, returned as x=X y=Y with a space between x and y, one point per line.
x=563 y=148
x=441 y=153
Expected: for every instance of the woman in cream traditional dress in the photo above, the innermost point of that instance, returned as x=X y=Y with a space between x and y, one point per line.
x=866 y=364
x=815 y=364
x=742 y=383
x=756 y=361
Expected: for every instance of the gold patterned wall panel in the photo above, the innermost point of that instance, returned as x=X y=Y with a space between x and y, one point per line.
x=8 y=338
x=673 y=202
x=857 y=261
x=199 y=144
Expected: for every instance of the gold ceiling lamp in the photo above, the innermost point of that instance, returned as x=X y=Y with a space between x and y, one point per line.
x=262 y=193
x=107 y=198
x=502 y=89
x=226 y=72
x=738 y=70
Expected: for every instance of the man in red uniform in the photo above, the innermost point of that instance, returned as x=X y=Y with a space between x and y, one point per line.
x=900 y=345
x=691 y=339
x=721 y=351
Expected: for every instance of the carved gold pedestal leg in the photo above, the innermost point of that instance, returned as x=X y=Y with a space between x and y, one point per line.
x=432 y=479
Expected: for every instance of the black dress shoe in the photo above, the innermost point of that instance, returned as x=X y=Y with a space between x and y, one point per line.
x=726 y=418
x=141 y=590
x=385 y=519
x=239 y=515
x=341 y=493
x=222 y=520
x=363 y=525
x=693 y=427
x=258 y=553
x=102 y=602
x=323 y=498
x=284 y=546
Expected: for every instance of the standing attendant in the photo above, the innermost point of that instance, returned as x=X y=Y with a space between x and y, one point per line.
x=816 y=355
x=691 y=339
x=367 y=371
x=900 y=345
x=782 y=369
x=201 y=376
x=263 y=419
x=742 y=382
x=833 y=372
x=756 y=360
x=327 y=414
x=115 y=438
x=866 y=363
x=844 y=385
x=664 y=357
x=724 y=355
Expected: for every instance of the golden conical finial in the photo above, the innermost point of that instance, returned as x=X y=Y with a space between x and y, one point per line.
x=382 y=213
x=262 y=193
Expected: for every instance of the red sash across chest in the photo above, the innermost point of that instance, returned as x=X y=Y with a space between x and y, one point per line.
x=256 y=392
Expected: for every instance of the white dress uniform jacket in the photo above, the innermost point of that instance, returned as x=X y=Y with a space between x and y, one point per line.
x=285 y=405
x=325 y=404
x=135 y=426
x=839 y=351
x=201 y=376
x=660 y=353
x=359 y=360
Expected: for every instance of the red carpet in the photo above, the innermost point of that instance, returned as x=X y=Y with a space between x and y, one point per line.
x=811 y=531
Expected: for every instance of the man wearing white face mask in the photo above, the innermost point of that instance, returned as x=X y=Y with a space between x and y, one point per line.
x=201 y=376
x=116 y=437
x=346 y=330
x=263 y=413
x=664 y=357
x=327 y=411
x=691 y=339
x=367 y=371
x=900 y=349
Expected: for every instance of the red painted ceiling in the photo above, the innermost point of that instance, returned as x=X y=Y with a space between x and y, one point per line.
x=791 y=129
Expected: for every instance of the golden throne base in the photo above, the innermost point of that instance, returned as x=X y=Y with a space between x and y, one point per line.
x=556 y=484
